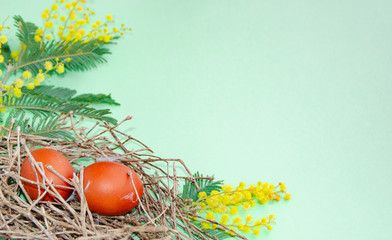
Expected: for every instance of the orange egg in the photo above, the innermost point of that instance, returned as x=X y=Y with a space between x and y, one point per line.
x=59 y=163
x=109 y=190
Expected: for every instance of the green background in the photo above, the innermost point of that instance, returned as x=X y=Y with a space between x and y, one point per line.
x=261 y=90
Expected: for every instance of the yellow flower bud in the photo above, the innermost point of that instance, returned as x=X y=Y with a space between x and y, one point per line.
x=30 y=86
x=60 y=68
x=49 y=24
x=106 y=38
x=78 y=36
x=18 y=83
x=227 y=188
x=72 y=15
x=48 y=65
x=205 y=225
x=17 y=92
x=40 y=77
x=202 y=194
x=55 y=7
x=248 y=218
x=3 y=39
x=224 y=218
x=246 y=229
x=26 y=74
x=210 y=216
x=246 y=206
x=237 y=219
x=287 y=196
x=36 y=82
x=231 y=232
x=233 y=210
x=45 y=15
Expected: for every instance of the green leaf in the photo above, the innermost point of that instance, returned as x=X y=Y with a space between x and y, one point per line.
x=47 y=125
x=6 y=52
x=205 y=185
x=26 y=31
x=219 y=234
x=84 y=55
x=39 y=105
x=53 y=93
x=95 y=99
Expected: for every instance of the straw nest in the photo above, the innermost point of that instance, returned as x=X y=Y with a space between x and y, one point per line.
x=161 y=214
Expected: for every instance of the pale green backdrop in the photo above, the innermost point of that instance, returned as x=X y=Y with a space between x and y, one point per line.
x=261 y=90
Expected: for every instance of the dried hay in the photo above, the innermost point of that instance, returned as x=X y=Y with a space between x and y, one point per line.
x=162 y=213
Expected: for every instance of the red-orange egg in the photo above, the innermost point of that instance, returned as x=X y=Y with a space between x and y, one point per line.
x=59 y=163
x=109 y=190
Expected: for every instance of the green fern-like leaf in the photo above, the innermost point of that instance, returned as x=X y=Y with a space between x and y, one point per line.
x=61 y=93
x=26 y=31
x=205 y=185
x=6 y=52
x=219 y=234
x=47 y=126
x=95 y=99
x=39 y=104
x=52 y=92
x=84 y=55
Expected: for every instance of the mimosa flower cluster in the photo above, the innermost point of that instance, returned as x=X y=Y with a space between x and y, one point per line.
x=229 y=201
x=74 y=23
x=65 y=22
